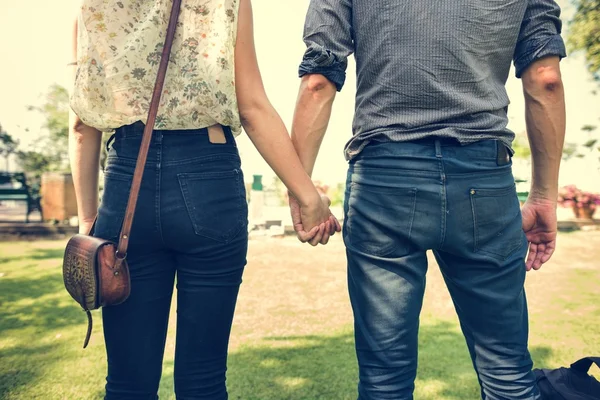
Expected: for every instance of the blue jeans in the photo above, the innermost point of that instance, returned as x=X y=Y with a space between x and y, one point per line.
x=190 y=223
x=403 y=199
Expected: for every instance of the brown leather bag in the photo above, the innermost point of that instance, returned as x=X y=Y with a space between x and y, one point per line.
x=95 y=271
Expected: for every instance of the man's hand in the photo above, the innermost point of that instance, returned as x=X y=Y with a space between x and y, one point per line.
x=303 y=217
x=540 y=226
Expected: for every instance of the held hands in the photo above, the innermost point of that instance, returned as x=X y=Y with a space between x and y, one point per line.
x=540 y=226
x=314 y=223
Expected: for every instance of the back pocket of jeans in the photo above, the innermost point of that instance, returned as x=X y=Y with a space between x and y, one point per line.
x=216 y=203
x=379 y=220
x=497 y=224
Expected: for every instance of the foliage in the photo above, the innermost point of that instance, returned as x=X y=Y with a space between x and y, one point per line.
x=521 y=147
x=50 y=152
x=8 y=145
x=56 y=113
x=571 y=196
x=36 y=162
x=590 y=148
x=276 y=193
x=337 y=194
x=584 y=33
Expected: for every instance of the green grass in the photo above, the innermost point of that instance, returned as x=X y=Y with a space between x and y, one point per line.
x=292 y=336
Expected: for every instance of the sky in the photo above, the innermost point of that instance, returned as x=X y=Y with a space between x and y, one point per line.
x=35 y=46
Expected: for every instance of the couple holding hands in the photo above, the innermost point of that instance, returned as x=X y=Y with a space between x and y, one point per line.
x=429 y=169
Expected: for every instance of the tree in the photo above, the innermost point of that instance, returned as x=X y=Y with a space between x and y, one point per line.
x=56 y=114
x=35 y=163
x=8 y=146
x=337 y=194
x=584 y=33
x=276 y=193
x=521 y=147
x=590 y=148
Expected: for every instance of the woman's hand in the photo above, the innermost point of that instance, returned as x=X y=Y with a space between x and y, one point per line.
x=315 y=212
x=313 y=222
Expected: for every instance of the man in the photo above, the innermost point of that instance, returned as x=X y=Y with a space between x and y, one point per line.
x=430 y=168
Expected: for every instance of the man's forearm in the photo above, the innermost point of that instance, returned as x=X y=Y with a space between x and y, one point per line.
x=84 y=155
x=313 y=110
x=545 y=118
x=267 y=132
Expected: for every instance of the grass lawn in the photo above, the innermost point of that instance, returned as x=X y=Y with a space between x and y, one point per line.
x=292 y=336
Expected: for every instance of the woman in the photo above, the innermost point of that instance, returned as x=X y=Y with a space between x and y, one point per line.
x=191 y=216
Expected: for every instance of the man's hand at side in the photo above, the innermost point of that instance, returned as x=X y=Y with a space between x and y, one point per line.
x=540 y=226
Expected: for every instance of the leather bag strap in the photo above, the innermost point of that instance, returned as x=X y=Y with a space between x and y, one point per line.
x=147 y=137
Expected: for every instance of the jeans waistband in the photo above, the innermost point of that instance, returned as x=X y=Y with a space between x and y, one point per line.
x=137 y=130
x=438 y=147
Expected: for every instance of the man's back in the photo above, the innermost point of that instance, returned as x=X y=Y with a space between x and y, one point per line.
x=434 y=66
x=430 y=169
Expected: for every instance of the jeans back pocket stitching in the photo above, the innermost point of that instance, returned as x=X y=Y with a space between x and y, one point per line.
x=411 y=192
x=514 y=245
x=199 y=230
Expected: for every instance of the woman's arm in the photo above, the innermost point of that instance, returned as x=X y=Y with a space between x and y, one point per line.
x=84 y=156
x=269 y=134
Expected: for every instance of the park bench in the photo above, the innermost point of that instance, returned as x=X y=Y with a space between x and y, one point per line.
x=13 y=187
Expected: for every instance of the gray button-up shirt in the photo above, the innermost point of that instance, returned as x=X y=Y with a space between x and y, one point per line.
x=429 y=67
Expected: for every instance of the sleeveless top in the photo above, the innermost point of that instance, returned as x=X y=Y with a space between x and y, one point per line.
x=119 y=44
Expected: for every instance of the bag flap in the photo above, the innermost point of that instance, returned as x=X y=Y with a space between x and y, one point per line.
x=79 y=269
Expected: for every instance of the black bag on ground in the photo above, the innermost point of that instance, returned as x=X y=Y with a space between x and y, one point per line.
x=572 y=383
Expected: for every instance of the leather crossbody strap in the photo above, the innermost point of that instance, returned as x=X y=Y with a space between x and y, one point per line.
x=147 y=137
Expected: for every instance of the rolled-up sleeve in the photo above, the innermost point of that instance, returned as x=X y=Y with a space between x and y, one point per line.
x=328 y=38
x=539 y=35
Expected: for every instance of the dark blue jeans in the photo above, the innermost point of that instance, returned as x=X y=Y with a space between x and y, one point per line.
x=405 y=198
x=190 y=223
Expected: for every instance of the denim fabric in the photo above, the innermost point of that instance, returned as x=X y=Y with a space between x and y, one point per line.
x=190 y=223
x=405 y=198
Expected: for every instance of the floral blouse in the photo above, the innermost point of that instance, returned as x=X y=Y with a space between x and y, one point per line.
x=118 y=51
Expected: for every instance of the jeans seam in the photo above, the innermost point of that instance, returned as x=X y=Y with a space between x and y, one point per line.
x=444 y=204
x=159 y=137
x=475 y=230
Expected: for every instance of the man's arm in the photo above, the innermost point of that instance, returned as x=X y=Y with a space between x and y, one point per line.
x=545 y=118
x=269 y=135
x=537 y=56
x=329 y=42
x=311 y=117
